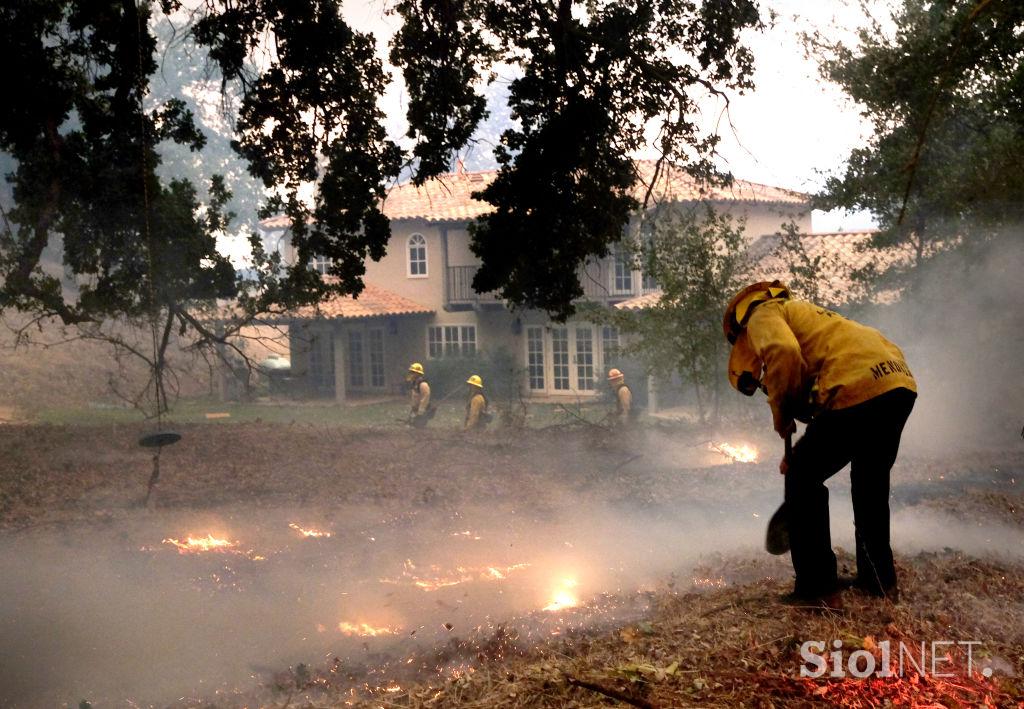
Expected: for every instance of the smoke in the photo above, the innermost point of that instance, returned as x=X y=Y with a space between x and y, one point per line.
x=962 y=331
x=109 y=613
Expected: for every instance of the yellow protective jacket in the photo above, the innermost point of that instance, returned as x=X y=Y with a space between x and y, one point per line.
x=419 y=396
x=801 y=343
x=476 y=406
x=623 y=402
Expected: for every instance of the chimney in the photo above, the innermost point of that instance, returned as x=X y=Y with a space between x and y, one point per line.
x=460 y=167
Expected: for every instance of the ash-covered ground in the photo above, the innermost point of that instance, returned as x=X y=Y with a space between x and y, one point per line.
x=456 y=568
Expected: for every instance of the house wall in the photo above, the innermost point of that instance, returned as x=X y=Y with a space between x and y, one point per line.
x=762 y=219
x=496 y=328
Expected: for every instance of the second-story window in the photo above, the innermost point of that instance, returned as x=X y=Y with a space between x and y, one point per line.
x=648 y=282
x=320 y=264
x=417 y=256
x=623 y=271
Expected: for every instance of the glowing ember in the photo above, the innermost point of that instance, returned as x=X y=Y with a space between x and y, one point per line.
x=309 y=532
x=437 y=580
x=195 y=545
x=468 y=535
x=709 y=582
x=563 y=596
x=365 y=630
x=740 y=454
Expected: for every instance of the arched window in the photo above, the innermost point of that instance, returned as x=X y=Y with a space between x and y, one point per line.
x=417 y=256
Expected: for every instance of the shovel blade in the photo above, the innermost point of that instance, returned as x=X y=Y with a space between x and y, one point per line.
x=777 y=539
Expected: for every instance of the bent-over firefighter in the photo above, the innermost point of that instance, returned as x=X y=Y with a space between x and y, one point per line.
x=855 y=391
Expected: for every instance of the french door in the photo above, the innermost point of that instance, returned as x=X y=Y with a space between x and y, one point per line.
x=321 y=362
x=560 y=358
x=365 y=358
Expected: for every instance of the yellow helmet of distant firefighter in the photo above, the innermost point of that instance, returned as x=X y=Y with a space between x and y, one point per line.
x=416 y=368
x=742 y=304
x=476 y=381
x=615 y=375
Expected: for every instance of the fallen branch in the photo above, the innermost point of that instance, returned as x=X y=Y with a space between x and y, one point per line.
x=596 y=424
x=608 y=692
x=628 y=460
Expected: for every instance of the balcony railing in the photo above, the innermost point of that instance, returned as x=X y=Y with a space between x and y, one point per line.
x=459 y=289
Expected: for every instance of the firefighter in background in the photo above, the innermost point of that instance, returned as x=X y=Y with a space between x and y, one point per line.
x=419 y=395
x=623 y=397
x=477 y=415
x=856 y=391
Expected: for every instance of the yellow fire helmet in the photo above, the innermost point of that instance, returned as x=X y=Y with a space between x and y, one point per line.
x=416 y=368
x=614 y=374
x=744 y=366
x=741 y=305
x=476 y=381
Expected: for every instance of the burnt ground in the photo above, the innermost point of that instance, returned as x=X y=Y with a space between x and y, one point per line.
x=678 y=607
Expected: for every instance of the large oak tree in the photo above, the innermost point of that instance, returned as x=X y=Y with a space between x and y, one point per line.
x=84 y=128
x=942 y=85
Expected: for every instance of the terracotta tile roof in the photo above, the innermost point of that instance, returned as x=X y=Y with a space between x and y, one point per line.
x=373 y=302
x=640 y=302
x=446 y=198
x=281 y=221
x=839 y=256
x=675 y=185
x=449 y=197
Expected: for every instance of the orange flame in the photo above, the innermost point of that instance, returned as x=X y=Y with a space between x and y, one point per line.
x=309 y=532
x=365 y=630
x=563 y=596
x=195 y=545
x=461 y=575
x=739 y=454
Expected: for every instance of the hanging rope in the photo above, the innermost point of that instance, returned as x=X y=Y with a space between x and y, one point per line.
x=157 y=364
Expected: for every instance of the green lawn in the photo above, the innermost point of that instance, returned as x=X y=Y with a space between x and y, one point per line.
x=387 y=413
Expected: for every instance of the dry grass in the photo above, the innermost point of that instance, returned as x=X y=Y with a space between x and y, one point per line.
x=720 y=640
x=735 y=646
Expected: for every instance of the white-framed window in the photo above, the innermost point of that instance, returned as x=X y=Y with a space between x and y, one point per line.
x=320 y=264
x=560 y=358
x=649 y=282
x=451 y=341
x=584 y=358
x=610 y=345
x=417 y=253
x=623 y=271
x=570 y=357
x=435 y=342
x=535 y=356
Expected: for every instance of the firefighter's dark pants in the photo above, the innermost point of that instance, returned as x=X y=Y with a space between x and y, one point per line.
x=868 y=437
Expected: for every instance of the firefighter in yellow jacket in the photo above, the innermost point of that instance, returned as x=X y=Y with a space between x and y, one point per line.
x=476 y=405
x=419 y=395
x=623 y=397
x=854 y=388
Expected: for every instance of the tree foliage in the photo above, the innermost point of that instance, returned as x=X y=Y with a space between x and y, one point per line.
x=84 y=128
x=593 y=77
x=698 y=258
x=942 y=89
